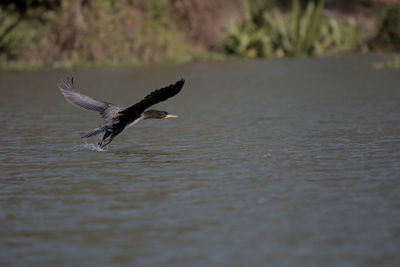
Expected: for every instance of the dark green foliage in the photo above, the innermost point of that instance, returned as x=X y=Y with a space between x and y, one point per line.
x=389 y=31
x=22 y=6
x=272 y=33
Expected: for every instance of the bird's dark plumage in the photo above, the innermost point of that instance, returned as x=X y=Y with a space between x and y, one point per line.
x=155 y=97
x=118 y=118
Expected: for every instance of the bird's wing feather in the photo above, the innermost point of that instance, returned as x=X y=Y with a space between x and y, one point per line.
x=106 y=110
x=154 y=97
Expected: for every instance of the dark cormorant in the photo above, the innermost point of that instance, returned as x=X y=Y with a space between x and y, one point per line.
x=118 y=118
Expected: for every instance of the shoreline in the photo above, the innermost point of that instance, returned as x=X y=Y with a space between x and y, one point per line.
x=384 y=60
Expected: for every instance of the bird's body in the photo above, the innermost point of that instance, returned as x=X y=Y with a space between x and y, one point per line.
x=117 y=119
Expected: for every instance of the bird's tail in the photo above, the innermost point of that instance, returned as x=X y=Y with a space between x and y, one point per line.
x=93 y=132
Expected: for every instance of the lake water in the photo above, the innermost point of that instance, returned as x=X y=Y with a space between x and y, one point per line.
x=271 y=163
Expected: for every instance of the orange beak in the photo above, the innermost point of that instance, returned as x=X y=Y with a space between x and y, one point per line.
x=170 y=116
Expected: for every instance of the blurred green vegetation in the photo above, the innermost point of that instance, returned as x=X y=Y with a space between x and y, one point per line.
x=102 y=32
x=389 y=32
x=62 y=33
x=392 y=62
x=270 y=33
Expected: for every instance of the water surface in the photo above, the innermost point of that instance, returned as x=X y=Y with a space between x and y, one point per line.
x=291 y=163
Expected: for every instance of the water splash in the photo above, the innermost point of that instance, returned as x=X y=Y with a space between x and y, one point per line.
x=90 y=146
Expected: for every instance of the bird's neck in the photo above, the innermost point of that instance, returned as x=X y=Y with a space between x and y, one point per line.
x=135 y=121
x=145 y=116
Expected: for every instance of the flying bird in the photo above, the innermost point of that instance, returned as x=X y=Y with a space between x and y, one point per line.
x=117 y=118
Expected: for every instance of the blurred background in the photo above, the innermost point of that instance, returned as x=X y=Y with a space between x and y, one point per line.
x=60 y=33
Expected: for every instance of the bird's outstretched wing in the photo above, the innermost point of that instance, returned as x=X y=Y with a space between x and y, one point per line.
x=154 y=97
x=106 y=110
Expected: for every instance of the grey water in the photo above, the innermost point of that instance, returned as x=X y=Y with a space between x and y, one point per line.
x=271 y=163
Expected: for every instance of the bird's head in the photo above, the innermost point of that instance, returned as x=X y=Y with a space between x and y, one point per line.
x=157 y=114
